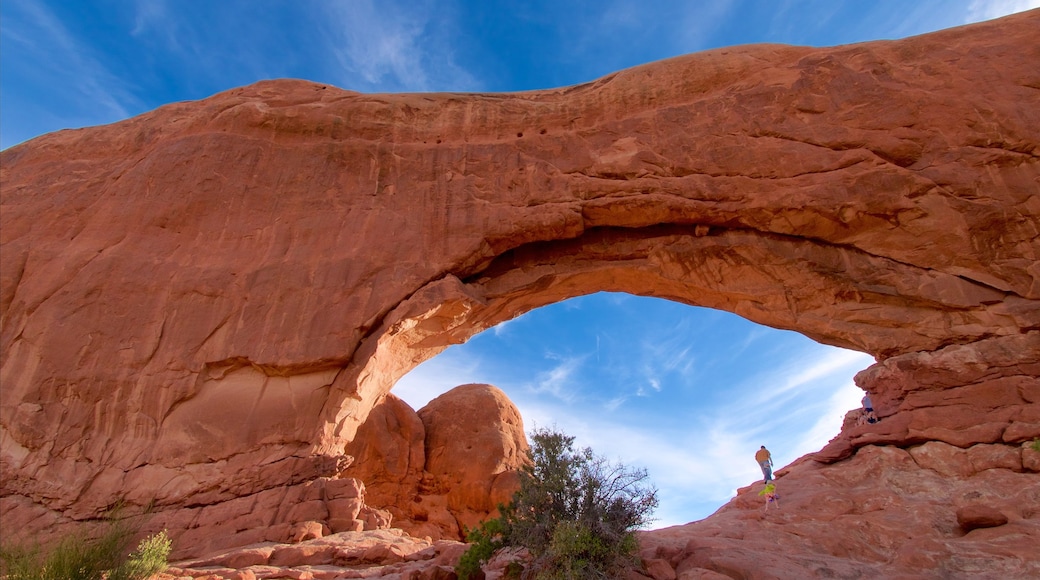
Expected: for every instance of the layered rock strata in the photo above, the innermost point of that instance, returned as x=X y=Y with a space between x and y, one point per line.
x=203 y=303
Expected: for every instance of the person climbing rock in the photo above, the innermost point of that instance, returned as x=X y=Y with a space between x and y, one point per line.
x=765 y=461
x=771 y=496
x=868 y=410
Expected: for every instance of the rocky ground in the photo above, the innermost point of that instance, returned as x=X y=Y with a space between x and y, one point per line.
x=929 y=511
x=372 y=554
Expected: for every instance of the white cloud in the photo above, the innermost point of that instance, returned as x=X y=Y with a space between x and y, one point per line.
x=613 y=404
x=389 y=46
x=150 y=17
x=500 y=328
x=846 y=398
x=817 y=367
x=671 y=355
x=696 y=467
x=701 y=22
x=72 y=65
x=770 y=393
x=557 y=381
x=980 y=10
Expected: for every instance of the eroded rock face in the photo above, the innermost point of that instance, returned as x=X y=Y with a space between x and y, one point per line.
x=203 y=303
x=475 y=446
x=444 y=469
x=390 y=457
x=984 y=392
x=928 y=511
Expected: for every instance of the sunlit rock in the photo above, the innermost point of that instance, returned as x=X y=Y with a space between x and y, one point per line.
x=202 y=304
x=446 y=468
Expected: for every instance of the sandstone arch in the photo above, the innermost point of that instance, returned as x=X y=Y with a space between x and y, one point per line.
x=171 y=284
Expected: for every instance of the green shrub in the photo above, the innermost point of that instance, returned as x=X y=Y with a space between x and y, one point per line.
x=485 y=540
x=514 y=570
x=76 y=557
x=149 y=559
x=1035 y=444
x=575 y=512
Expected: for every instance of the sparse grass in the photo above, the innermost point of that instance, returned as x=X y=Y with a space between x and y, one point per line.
x=1035 y=445
x=147 y=560
x=76 y=557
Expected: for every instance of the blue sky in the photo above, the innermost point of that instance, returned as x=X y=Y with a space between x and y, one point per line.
x=688 y=393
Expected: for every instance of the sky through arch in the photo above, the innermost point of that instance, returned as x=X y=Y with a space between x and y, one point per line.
x=688 y=393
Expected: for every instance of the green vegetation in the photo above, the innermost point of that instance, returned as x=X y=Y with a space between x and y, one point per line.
x=79 y=558
x=147 y=560
x=575 y=512
x=485 y=540
x=1035 y=444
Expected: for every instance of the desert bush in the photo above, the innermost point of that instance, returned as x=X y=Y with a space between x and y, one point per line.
x=484 y=541
x=575 y=512
x=148 y=560
x=77 y=557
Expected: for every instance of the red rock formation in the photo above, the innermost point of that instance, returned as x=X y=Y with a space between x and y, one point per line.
x=390 y=458
x=446 y=468
x=475 y=446
x=928 y=511
x=984 y=392
x=376 y=554
x=200 y=305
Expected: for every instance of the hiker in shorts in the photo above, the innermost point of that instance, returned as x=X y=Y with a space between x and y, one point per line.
x=765 y=461
x=772 y=498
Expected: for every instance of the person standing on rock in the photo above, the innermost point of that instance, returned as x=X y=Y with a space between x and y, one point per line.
x=765 y=461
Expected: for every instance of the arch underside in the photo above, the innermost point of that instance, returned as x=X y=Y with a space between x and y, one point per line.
x=835 y=295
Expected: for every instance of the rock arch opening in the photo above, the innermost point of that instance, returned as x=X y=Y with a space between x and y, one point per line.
x=687 y=392
x=834 y=294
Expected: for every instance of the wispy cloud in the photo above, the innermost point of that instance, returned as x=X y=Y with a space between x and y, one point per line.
x=980 y=10
x=152 y=17
x=771 y=404
x=830 y=418
x=70 y=64
x=390 y=46
x=812 y=367
x=500 y=328
x=697 y=464
x=669 y=351
x=701 y=20
x=558 y=380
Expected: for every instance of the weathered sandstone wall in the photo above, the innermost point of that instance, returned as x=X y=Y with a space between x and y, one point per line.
x=203 y=303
